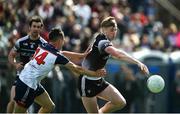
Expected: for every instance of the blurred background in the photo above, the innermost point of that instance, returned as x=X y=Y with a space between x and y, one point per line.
x=149 y=30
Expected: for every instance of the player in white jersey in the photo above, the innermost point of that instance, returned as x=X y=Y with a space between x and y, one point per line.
x=92 y=88
x=28 y=88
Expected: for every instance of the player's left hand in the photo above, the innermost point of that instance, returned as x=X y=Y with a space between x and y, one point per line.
x=88 y=50
x=143 y=68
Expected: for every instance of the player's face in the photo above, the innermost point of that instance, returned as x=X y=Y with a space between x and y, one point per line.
x=111 y=32
x=35 y=28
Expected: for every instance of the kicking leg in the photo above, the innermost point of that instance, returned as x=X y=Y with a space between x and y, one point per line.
x=115 y=100
x=90 y=104
x=45 y=102
x=19 y=109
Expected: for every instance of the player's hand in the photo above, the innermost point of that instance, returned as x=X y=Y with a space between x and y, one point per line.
x=101 y=72
x=88 y=50
x=143 y=68
x=19 y=66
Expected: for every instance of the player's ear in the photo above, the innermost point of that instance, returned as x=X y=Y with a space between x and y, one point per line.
x=42 y=26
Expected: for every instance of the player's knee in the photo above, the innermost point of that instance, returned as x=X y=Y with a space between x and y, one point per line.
x=50 y=107
x=120 y=104
x=123 y=103
x=11 y=102
x=10 y=106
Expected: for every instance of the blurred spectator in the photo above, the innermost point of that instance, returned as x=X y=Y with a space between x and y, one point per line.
x=158 y=43
x=2 y=22
x=141 y=98
x=173 y=36
x=33 y=4
x=144 y=42
x=83 y=12
x=130 y=40
x=23 y=12
x=94 y=22
x=57 y=80
x=14 y=35
x=46 y=10
x=58 y=8
x=136 y=23
x=86 y=37
x=135 y=5
x=3 y=91
x=149 y=7
x=3 y=43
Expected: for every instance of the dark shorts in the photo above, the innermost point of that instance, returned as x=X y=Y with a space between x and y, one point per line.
x=17 y=77
x=15 y=81
x=24 y=95
x=90 y=88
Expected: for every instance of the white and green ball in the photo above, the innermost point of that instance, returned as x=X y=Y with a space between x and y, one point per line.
x=155 y=83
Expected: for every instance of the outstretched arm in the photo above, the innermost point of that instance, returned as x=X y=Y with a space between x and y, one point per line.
x=121 y=55
x=76 y=57
x=73 y=56
x=81 y=70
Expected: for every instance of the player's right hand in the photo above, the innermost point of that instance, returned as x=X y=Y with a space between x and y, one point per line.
x=19 y=65
x=101 y=72
x=143 y=68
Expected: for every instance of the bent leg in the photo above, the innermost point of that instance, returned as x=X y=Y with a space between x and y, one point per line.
x=19 y=109
x=10 y=106
x=90 y=104
x=45 y=102
x=115 y=100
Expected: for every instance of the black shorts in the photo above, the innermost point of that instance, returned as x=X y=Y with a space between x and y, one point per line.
x=90 y=88
x=15 y=81
x=17 y=77
x=24 y=95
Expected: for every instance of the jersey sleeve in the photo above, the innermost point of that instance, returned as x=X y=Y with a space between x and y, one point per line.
x=103 y=44
x=16 y=47
x=61 y=59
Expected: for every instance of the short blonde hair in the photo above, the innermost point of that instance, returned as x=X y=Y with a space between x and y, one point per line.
x=108 y=22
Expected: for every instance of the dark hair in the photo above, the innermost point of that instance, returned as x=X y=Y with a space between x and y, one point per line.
x=108 y=22
x=55 y=34
x=35 y=19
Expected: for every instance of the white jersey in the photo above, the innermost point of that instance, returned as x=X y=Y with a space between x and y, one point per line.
x=43 y=61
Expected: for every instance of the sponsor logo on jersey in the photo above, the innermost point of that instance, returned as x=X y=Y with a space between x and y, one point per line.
x=25 y=44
